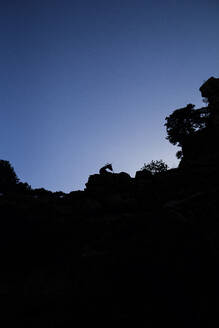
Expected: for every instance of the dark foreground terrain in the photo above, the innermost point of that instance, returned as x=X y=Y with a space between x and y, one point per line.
x=125 y=251
x=131 y=257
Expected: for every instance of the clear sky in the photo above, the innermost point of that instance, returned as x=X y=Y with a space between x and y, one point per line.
x=85 y=82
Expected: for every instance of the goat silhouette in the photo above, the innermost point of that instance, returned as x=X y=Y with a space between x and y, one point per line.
x=103 y=169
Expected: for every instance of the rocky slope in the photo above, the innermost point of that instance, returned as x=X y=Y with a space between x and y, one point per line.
x=140 y=251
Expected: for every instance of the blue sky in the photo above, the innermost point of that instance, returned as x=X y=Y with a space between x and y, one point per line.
x=86 y=82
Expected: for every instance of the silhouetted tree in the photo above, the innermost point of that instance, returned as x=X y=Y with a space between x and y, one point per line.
x=155 y=166
x=184 y=122
x=8 y=177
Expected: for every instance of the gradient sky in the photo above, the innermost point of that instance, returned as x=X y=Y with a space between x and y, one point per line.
x=85 y=82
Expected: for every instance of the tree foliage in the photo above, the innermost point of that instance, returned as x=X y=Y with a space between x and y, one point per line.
x=155 y=166
x=8 y=176
x=185 y=122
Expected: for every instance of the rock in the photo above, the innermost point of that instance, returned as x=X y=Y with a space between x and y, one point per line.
x=122 y=178
x=143 y=174
x=108 y=182
x=210 y=90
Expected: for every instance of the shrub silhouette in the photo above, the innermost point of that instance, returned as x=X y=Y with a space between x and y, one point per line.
x=8 y=177
x=155 y=166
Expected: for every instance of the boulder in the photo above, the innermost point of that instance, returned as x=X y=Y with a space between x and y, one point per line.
x=210 y=90
x=143 y=174
x=108 y=182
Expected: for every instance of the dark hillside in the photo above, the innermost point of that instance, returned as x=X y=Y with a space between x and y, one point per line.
x=141 y=251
